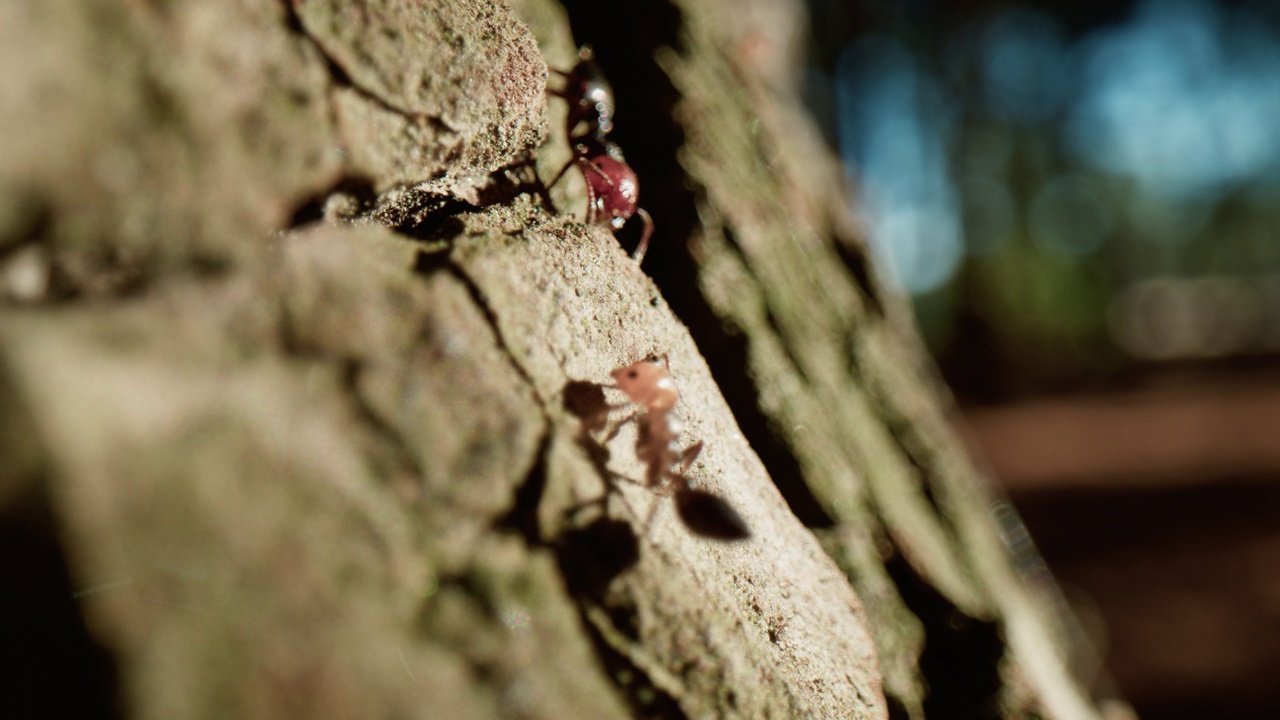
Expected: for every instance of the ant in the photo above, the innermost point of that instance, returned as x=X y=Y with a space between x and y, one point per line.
x=612 y=187
x=650 y=388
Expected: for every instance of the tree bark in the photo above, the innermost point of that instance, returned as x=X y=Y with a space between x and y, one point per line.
x=301 y=381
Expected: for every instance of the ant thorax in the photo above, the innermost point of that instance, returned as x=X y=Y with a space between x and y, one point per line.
x=595 y=108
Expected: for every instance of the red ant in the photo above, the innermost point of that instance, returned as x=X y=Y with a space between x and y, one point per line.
x=612 y=187
x=651 y=389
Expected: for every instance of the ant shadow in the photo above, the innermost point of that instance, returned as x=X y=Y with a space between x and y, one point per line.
x=701 y=512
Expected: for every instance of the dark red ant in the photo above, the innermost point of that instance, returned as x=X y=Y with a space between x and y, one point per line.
x=612 y=187
x=650 y=388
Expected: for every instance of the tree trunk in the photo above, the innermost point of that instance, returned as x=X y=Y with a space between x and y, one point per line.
x=303 y=385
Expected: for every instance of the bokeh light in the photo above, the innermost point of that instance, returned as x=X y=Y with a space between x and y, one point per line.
x=1077 y=164
x=894 y=129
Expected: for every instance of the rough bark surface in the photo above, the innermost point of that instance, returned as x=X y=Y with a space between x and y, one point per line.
x=299 y=384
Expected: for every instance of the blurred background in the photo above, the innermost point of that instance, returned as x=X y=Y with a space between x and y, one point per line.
x=1083 y=202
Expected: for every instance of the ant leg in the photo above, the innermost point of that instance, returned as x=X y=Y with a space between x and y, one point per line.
x=563 y=74
x=653 y=513
x=617 y=428
x=570 y=77
x=572 y=511
x=617 y=405
x=675 y=481
x=541 y=189
x=643 y=247
x=592 y=206
x=655 y=357
x=560 y=174
x=687 y=456
x=545 y=191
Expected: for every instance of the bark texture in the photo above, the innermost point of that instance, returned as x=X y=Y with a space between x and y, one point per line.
x=300 y=386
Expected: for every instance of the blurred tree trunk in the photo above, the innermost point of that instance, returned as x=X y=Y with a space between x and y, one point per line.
x=298 y=383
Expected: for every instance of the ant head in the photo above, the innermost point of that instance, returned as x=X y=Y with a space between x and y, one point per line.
x=644 y=372
x=647 y=384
